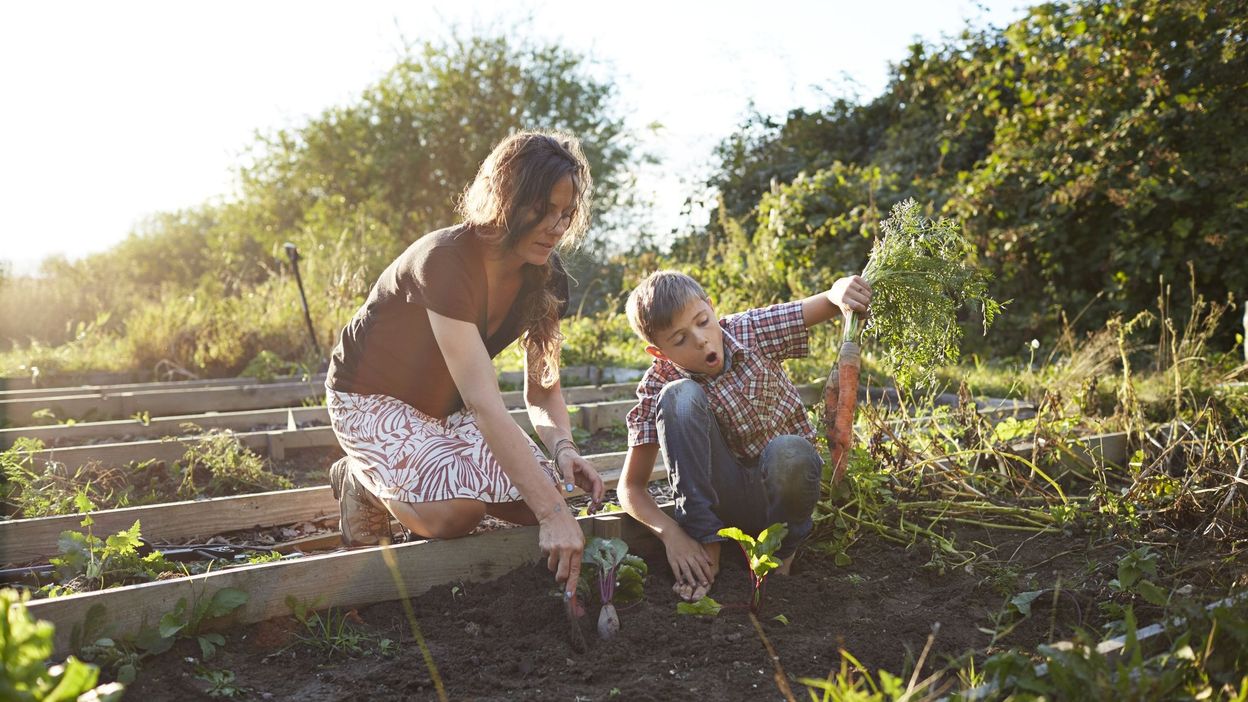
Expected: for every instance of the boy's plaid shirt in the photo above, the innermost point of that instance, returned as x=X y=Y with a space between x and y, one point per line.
x=753 y=399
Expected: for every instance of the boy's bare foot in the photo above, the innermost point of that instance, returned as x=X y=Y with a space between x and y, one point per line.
x=691 y=592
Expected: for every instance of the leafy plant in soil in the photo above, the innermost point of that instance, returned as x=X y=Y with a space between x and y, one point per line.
x=26 y=646
x=219 y=464
x=123 y=656
x=921 y=274
x=88 y=562
x=759 y=555
x=617 y=578
x=331 y=631
x=27 y=491
x=185 y=620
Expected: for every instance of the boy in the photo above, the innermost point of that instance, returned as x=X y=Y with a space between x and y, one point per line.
x=734 y=430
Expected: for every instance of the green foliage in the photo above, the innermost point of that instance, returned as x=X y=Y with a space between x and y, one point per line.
x=819 y=227
x=123 y=656
x=220 y=682
x=758 y=553
x=1087 y=149
x=854 y=683
x=208 y=289
x=921 y=274
x=189 y=621
x=33 y=492
x=87 y=562
x=26 y=646
x=616 y=576
x=1206 y=659
x=1132 y=569
x=268 y=365
x=219 y=464
x=705 y=607
x=601 y=340
x=332 y=632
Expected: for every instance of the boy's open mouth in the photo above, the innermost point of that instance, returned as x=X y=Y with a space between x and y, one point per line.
x=712 y=358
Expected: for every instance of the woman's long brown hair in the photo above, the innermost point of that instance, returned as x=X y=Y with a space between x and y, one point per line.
x=510 y=195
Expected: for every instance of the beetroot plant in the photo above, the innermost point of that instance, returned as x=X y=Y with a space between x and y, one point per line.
x=758 y=553
x=618 y=576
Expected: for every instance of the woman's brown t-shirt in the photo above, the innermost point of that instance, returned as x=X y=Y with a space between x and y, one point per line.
x=388 y=347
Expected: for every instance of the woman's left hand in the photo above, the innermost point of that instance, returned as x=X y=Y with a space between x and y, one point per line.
x=576 y=470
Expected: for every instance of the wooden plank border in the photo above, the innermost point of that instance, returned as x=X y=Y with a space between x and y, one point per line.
x=106 y=389
x=165 y=403
x=160 y=427
x=356 y=577
x=35 y=540
x=272 y=443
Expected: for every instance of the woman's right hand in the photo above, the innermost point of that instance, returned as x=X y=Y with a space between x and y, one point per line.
x=563 y=542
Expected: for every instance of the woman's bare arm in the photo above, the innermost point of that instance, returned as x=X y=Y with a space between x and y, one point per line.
x=474 y=376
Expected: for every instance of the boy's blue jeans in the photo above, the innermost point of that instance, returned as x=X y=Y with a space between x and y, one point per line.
x=715 y=489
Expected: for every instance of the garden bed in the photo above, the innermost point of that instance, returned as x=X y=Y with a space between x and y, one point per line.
x=507 y=639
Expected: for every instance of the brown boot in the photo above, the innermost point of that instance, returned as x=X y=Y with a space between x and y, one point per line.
x=363 y=519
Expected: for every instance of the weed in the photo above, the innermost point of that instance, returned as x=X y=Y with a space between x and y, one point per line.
x=220 y=682
x=219 y=464
x=187 y=620
x=759 y=555
x=30 y=492
x=123 y=656
x=331 y=632
x=87 y=562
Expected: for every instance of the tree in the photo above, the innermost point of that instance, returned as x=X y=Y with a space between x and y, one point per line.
x=390 y=166
x=1089 y=149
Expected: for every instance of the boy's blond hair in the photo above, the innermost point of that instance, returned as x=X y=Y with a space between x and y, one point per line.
x=652 y=304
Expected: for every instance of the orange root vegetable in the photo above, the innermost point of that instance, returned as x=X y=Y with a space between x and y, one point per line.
x=831 y=396
x=841 y=418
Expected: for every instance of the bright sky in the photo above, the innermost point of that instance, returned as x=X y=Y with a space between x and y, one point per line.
x=114 y=111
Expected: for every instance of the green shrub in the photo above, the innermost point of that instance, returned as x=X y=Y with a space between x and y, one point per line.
x=26 y=646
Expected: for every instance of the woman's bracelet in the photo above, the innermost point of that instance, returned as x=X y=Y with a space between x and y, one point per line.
x=564 y=445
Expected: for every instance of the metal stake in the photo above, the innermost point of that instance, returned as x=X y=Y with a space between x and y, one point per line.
x=292 y=252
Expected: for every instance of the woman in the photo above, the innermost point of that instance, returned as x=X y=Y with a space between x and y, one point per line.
x=412 y=393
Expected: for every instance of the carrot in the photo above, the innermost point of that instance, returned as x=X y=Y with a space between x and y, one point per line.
x=831 y=396
x=841 y=437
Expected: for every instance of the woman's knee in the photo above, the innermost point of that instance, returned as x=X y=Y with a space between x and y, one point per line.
x=444 y=519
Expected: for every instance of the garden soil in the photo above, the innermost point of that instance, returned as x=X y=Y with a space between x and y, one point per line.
x=508 y=639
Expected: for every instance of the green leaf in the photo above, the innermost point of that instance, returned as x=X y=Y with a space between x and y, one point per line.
x=1022 y=601
x=705 y=607
x=209 y=643
x=604 y=553
x=171 y=623
x=223 y=601
x=737 y=535
x=1151 y=593
x=124 y=542
x=771 y=537
x=84 y=505
x=75 y=678
x=782 y=619
x=126 y=673
x=842 y=559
